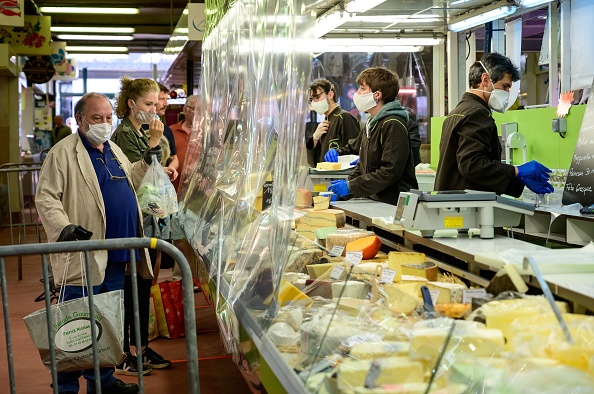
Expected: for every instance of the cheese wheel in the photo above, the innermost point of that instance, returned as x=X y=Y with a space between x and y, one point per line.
x=370 y=246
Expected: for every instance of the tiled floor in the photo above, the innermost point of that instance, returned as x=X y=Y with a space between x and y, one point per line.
x=218 y=373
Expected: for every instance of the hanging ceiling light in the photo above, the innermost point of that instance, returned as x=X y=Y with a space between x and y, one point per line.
x=89 y=10
x=465 y=22
x=92 y=29
x=95 y=49
x=361 y=5
x=533 y=3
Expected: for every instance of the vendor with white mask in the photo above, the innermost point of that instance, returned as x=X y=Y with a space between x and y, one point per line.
x=337 y=128
x=470 y=151
x=386 y=164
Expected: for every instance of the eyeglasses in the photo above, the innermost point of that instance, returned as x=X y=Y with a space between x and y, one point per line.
x=190 y=108
x=111 y=176
x=315 y=97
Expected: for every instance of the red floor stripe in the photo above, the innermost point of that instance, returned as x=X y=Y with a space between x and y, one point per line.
x=201 y=307
x=203 y=359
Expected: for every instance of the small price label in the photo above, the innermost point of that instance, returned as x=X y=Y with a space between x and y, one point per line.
x=320 y=187
x=468 y=295
x=337 y=251
x=354 y=258
x=388 y=276
x=337 y=271
x=434 y=296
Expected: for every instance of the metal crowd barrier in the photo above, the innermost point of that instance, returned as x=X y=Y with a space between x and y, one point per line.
x=86 y=247
x=22 y=178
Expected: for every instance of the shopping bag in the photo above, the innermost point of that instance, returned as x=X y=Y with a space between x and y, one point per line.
x=159 y=311
x=153 y=328
x=156 y=194
x=71 y=332
x=173 y=306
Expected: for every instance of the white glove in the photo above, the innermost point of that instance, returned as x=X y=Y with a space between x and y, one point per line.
x=321 y=130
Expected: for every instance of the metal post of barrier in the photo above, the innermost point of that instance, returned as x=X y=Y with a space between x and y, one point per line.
x=7 y=325
x=92 y=318
x=136 y=311
x=111 y=244
x=50 y=323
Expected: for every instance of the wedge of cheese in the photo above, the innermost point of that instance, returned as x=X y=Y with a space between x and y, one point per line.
x=289 y=293
x=371 y=350
x=352 y=289
x=343 y=237
x=426 y=269
x=448 y=292
x=392 y=370
x=299 y=259
x=322 y=218
x=321 y=202
x=427 y=343
x=396 y=259
x=403 y=297
x=329 y=166
x=317 y=270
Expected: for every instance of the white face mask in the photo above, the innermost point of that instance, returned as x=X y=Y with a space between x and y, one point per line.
x=364 y=102
x=98 y=133
x=498 y=98
x=144 y=117
x=320 y=106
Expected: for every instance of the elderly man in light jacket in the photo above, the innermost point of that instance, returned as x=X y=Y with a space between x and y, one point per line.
x=86 y=189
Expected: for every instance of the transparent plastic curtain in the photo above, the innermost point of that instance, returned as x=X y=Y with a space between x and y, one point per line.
x=254 y=85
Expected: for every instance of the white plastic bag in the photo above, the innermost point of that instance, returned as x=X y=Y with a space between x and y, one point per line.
x=156 y=194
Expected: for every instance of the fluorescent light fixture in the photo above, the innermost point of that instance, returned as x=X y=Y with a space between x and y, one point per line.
x=533 y=3
x=181 y=30
x=394 y=19
x=367 y=48
x=89 y=10
x=481 y=18
x=330 y=20
x=91 y=29
x=91 y=57
x=421 y=41
x=96 y=49
x=361 y=5
x=93 y=37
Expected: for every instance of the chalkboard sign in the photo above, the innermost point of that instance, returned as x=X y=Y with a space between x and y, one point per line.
x=267 y=195
x=580 y=177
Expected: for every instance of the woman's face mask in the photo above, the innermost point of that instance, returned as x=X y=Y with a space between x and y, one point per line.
x=144 y=117
x=320 y=106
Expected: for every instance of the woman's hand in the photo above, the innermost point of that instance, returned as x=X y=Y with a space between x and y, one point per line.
x=156 y=132
x=171 y=172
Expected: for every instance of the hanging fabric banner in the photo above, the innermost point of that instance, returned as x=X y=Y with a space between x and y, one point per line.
x=12 y=13
x=70 y=71
x=32 y=39
x=58 y=56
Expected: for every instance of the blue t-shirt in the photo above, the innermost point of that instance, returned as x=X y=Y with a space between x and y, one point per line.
x=121 y=208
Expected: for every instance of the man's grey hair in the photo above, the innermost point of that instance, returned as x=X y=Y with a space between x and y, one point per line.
x=496 y=66
x=190 y=98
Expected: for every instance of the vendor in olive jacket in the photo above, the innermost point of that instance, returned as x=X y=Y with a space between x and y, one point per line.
x=470 y=151
x=386 y=162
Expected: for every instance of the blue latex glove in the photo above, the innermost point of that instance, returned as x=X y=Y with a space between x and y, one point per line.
x=339 y=188
x=333 y=197
x=534 y=170
x=354 y=162
x=538 y=187
x=331 y=156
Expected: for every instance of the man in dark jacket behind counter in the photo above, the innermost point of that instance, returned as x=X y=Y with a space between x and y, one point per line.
x=470 y=151
x=386 y=164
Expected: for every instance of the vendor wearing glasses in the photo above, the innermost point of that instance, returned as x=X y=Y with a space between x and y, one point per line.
x=337 y=128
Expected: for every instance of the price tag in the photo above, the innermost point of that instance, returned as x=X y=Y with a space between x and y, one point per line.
x=354 y=258
x=468 y=295
x=337 y=271
x=388 y=276
x=337 y=251
x=434 y=296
